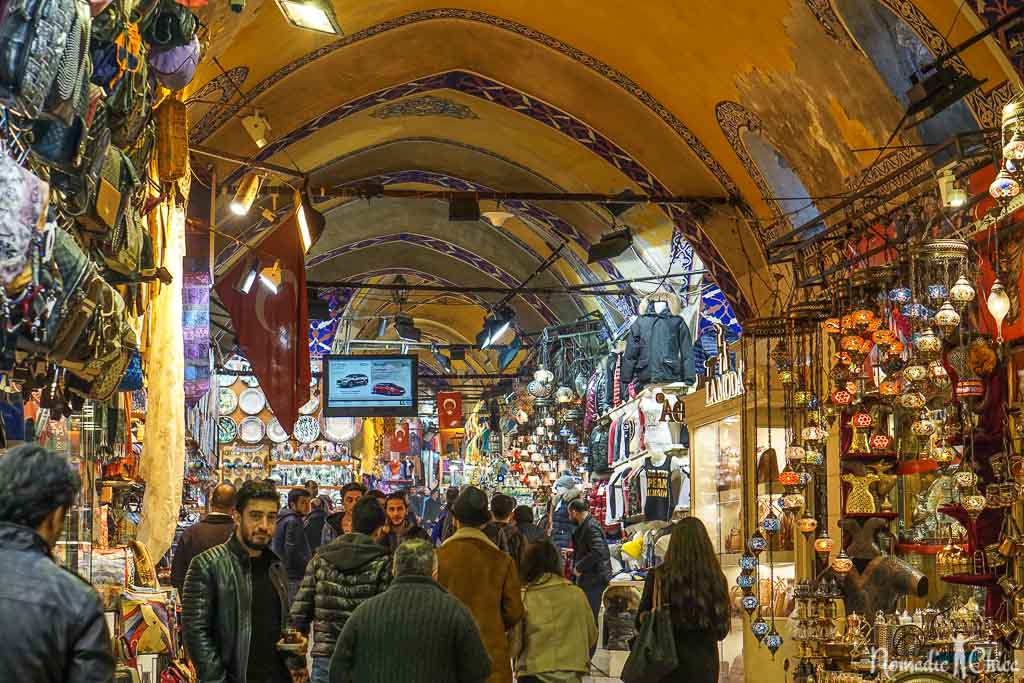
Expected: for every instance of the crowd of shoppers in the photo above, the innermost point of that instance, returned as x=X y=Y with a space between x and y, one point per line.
x=260 y=593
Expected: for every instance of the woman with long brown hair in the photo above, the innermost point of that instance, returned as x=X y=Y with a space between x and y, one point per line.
x=693 y=586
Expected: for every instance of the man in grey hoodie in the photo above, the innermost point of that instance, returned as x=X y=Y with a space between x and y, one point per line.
x=341 y=576
x=561 y=525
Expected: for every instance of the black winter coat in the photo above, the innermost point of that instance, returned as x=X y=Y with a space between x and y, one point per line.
x=314 y=527
x=291 y=545
x=599 y=450
x=659 y=350
x=590 y=553
x=342 y=575
x=518 y=536
x=217 y=611
x=213 y=530
x=51 y=620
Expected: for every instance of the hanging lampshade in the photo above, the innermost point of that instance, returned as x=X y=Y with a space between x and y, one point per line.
x=760 y=628
x=748 y=562
x=962 y=293
x=773 y=641
x=544 y=376
x=1004 y=186
x=807 y=525
x=564 y=395
x=823 y=544
x=757 y=543
x=1014 y=149
x=549 y=421
x=771 y=523
x=841 y=563
x=749 y=603
x=998 y=306
x=946 y=318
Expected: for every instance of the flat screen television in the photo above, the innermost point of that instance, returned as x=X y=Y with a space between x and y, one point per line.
x=370 y=386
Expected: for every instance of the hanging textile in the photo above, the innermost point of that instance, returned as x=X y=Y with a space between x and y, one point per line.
x=163 y=454
x=195 y=323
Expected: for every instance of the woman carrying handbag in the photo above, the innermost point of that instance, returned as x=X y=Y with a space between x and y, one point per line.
x=558 y=631
x=683 y=613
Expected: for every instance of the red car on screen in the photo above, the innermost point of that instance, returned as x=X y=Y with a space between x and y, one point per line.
x=388 y=389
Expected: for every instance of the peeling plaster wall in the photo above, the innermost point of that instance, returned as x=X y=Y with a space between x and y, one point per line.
x=801 y=108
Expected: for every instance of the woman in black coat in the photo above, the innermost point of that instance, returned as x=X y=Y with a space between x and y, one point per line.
x=695 y=588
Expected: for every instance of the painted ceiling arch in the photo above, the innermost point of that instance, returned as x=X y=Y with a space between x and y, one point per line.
x=646 y=106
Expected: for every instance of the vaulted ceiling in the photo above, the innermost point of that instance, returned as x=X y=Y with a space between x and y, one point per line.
x=560 y=97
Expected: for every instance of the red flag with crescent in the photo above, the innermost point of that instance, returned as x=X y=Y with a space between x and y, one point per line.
x=400 y=439
x=449 y=409
x=273 y=328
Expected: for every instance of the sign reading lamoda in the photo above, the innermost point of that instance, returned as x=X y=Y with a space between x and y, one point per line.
x=726 y=382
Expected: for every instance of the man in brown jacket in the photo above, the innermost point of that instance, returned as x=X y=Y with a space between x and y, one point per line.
x=474 y=570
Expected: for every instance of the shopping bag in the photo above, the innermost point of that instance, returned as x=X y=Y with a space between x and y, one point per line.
x=654 y=651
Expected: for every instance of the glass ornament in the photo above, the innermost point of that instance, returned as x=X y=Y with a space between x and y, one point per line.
x=998 y=306
x=788 y=477
x=1014 y=149
x=564 y=395
x=748 y=562
x=890 y=387
x=916 y=311
x=912 y=400
x=824 y=544
x=880 y=443
x=832 y=326
x=750 y=603
x=962 y=293
x=773 y=641
x=946 y=318
x=915 y=372
x=974 y=505
x=938 y=375
x=900 y=295
x=841 y=564
x=544 y=376
x=862 y=421
x=757 y=543
x=862 y=318
x=746 y=581
x=841 y=397
x=807 y=525
x=813 y=457
x=794 y=453
x=791 y=502
x=760 y=628
x=936 y=292
x=927 y=343
x=771 y=523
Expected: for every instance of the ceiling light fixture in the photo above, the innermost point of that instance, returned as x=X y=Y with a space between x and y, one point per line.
x=498 y=217
x=496 y=325
x=406 y=328
x=382 y=327
x=312 y=15
x=509 y=353
x=249 y=275
x=258 y=127
x=444 y=361
x=612 y=244
x=246 y=193
x=311 y=222
x=270 y=277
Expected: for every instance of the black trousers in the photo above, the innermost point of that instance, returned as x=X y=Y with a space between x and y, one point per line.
x=594 y=592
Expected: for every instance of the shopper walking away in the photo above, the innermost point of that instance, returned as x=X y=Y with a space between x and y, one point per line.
x=51 y=620
x=561 y=527
x=314 y=523
x=212 y=530
x=313 y=487
x=400 y=524
x=236 y=599
x=521 y=533
x=483 y=577
x=436 y=638
x=445 y=526
x=340 y=522
x=695 y=589
x=290 y=542
x=502 y=507
x=342 y=575
x=558 y=632
x=592 y=563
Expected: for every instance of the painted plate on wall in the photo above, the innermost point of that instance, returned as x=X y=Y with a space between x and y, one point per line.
x=307 y=429
x=341 y=429
x=226 y=380
x=227 y=430
x=252 y=401
x=275 y=432
x=251 y=430
x=250 y=381
x=227 y=401
x=311 y=406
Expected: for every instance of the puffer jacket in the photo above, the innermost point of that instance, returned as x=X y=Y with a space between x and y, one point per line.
x=51 y=620
x=561 y=526
x=659 y=349
x=291 y=545
x=216 y=611
x=599 y=450
x=342 y=575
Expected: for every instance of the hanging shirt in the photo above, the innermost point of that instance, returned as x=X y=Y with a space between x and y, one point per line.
x=657 y=504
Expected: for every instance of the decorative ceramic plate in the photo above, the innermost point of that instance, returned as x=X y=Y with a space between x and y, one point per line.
x=251 y=430
x=341 y=429
x=275 y=432
x=307 y=429
x=226 y=380
x=227 y=401
x=311 y=406
x=227 y=430
x=252 y=401
x=250 y=381
x=234 y=364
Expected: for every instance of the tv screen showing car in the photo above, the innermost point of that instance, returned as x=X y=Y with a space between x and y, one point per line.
x=369 y=386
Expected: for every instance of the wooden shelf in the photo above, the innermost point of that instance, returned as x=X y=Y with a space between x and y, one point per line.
x=870 y=456
x=345 y=463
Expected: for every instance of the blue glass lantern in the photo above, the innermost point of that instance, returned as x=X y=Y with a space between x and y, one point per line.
x=773 y=641
x=760 y=629
x=748 y=563
x=771 y=523
x=917 y=311
x=900 y=295
x=757 y=543
x=750 y=603
x=937 y=292
x=746 y=581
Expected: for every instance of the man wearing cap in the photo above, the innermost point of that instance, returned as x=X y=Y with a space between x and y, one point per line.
x=472 y=568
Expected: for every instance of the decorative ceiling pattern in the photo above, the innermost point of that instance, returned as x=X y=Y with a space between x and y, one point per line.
x=425 y=105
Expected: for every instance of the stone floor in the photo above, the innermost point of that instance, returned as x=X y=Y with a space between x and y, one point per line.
x=600 y=666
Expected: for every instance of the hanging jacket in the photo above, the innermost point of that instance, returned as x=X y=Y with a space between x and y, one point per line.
x=610 y=362
x=590 y=414
x=599 y=451
x=659 y=350
x=602 y=392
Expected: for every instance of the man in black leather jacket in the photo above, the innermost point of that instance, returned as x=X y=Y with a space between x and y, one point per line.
x=592 y=564
x=235 y=604
x=342 y=575
x=51 y=620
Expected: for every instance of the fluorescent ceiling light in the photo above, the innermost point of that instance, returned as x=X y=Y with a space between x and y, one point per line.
x=249 y=275
x=270 y=277
x=311 y=222
x=309 y=15
x=497 y=218
x=245 y=195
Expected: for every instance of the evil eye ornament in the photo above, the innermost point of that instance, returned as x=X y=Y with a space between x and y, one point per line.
x=771 y=524
x=746 y=581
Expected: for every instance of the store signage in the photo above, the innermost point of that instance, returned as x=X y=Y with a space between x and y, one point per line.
x=726 y=383
x=672 y=408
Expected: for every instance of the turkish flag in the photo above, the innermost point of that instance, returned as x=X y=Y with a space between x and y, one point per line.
x=273 y=329
x=400 y=439
x=449 y=409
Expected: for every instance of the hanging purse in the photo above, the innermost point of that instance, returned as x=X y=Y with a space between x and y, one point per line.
x=23 y=203
x=175 y=67
x=170 y=25
x=116 y=182
x=33 y=37
x=654 y=654
x=145 y=622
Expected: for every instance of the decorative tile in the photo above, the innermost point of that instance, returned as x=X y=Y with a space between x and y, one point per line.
x=425 y=105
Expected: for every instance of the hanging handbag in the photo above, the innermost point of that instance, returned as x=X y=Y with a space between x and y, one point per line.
x=145 y=622
x=171 y=140
x=175 y=67
x=116 y=183
x=33 y=37
x=170 y=25
x=23 y=203
x=132 y=379
x=654 y=653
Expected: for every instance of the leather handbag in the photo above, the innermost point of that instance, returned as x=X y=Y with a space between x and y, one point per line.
x=121 y=248
x=69 y=94
x=79 y=184
x=654 y=653
x=116 y=183
x=33 y=37
x=23 y=203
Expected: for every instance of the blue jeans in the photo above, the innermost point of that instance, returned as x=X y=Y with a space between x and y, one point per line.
x=320 y=670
